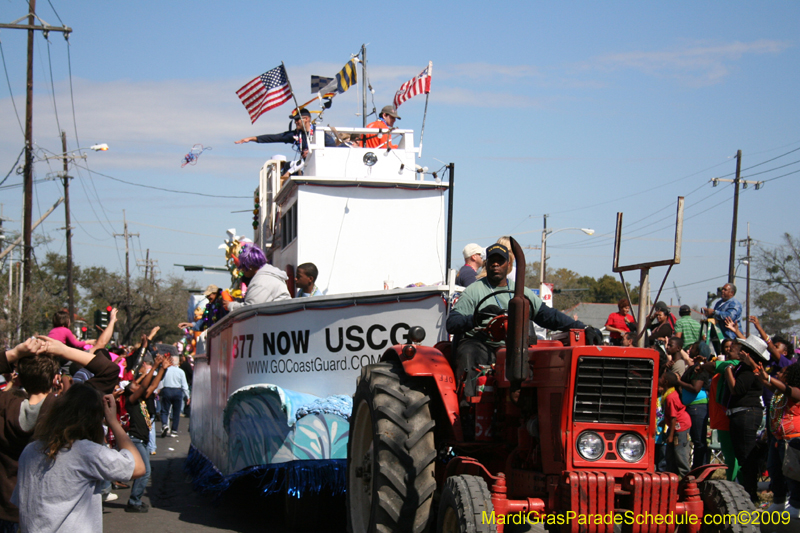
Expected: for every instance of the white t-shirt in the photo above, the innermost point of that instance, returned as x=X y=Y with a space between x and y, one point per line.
x=65 y=495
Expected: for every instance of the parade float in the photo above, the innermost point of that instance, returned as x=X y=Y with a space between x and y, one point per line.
x=272 y=392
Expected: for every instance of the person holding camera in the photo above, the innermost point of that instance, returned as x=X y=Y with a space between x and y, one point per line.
x=726 y=307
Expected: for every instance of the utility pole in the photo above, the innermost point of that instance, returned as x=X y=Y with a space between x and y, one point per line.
x=732 y=259
x=149 y=265
x=736 y=182
x=127 y=256
x=28 y=175
x=747 y=242
x=27 y=229
x=68 y=228
x=543 y=262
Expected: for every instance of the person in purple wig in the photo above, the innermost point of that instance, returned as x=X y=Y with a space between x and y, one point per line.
x=265 y=283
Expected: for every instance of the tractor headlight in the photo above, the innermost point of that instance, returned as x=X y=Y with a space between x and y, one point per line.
x=630 y=447
x=590 y=445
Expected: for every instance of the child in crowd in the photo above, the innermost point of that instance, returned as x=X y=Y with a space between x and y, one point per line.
x=678 y=424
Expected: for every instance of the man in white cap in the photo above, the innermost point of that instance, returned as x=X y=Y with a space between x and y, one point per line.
x=386 y=122
x=473 y=261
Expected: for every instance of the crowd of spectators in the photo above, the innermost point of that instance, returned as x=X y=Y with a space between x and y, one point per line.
x=715 y=381
x=78 y=419
x=747 y=394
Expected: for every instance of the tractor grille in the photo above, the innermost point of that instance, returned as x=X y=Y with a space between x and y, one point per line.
x=613 y=390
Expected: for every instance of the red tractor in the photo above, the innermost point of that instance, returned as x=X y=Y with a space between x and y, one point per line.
x=563 y=436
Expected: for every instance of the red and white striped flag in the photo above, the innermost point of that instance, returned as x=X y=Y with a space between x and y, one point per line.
x=420 y=84
x=265 y=92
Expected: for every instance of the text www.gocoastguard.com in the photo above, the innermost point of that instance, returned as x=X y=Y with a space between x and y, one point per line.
x=317 y=364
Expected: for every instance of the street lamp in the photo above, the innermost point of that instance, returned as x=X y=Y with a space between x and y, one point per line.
x=67 y=157
x=546 y=233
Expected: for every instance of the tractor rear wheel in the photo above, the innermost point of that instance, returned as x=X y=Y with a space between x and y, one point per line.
x=465 y=506
x=390 y=452
x=726 y=499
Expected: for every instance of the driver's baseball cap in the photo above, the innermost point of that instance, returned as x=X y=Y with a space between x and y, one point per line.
x=497 y=249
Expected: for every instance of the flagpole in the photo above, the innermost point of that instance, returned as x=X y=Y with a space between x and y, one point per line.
x=422 y=132
x=297 y=107
x=364 y=86
x=424 y=115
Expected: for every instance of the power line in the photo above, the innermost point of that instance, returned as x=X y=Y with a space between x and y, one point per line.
x=595 y=243
x=761 y=163
x=772 y=169
x=77 y=143
x=13 y=166
x=55 y=12
x=781 y=176
x=162 y=188
x=8 y=80
x=52 y=85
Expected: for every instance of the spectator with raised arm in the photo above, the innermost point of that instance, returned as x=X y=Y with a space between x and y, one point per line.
x=784 y=424
x=35 y=359
x=139 y=404
x=105 y=337
x=726 y=307
x=745 y=411
x=777 y=347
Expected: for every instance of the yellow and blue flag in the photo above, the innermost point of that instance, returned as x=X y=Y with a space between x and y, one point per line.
x=343 y=80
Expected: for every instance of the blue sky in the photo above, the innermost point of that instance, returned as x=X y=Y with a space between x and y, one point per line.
x=578 y=110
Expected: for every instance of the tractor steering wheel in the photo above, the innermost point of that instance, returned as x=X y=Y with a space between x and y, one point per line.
x=478 y=307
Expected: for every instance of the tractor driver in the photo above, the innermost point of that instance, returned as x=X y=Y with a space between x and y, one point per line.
x=476 y=347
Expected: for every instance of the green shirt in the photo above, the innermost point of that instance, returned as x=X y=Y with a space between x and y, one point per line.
x=481 y=289
x=689 y=328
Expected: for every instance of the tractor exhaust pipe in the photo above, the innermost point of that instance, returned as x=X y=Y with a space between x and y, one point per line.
x=519 y=315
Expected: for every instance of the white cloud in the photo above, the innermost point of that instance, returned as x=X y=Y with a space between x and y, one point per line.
x=698 y=64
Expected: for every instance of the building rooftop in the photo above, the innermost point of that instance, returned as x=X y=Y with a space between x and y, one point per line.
x=596 y=314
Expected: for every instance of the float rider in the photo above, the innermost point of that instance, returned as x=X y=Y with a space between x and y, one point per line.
x=475 y=346
x=298 y=137
x=385 y=124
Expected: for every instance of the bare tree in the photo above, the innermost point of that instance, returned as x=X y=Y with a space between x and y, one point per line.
x=781 y=268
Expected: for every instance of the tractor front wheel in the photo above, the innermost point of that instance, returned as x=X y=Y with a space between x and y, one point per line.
x=725 y=500
x=466 y=506
x=390 y=453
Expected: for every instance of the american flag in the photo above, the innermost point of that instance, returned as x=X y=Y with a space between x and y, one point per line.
x=418 y=85
x=265 y=92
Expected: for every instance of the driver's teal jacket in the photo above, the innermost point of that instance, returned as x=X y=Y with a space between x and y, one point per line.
x=461 y=319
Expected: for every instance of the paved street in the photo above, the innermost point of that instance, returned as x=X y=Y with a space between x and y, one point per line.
x=176 y=507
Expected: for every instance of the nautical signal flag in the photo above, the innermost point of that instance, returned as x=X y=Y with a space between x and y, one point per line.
x=344 y=79
x=417 y=85
x=265 y=92
x=318 y=82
